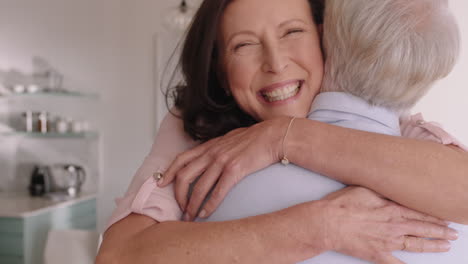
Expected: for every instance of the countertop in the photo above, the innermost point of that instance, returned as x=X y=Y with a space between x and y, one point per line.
x=21 y=204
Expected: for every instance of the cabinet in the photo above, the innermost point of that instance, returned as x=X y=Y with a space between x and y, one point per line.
x=25 y=222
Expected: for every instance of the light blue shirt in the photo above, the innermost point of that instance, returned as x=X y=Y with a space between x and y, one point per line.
x=349 y=111
x=278 y=187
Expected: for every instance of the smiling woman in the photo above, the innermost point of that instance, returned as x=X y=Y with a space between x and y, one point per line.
x=216 y=64
x=273 y=70
x=251 y=65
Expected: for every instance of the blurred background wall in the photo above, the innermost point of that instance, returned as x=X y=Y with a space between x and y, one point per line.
x=447 y=102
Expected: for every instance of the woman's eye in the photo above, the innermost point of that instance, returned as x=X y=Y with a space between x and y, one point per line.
x=241 y=45
x=293 y=31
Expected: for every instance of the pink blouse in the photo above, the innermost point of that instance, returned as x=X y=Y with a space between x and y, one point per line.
x=145 y=197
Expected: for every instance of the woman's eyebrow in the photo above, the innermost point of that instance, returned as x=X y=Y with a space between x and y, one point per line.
x=282 y=24
x=243 y=32
x=250 y=32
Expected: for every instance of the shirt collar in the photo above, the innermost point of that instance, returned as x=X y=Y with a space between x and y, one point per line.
x=347 y=103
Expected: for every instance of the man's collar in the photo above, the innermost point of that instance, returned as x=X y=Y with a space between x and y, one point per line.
x=347 y=103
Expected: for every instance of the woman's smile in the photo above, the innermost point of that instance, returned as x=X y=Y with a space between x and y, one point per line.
x=280 y=93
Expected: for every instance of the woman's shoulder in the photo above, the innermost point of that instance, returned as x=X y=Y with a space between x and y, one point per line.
x=171 y=137
x=416 y=127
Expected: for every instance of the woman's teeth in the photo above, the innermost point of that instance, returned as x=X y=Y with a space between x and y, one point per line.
x=282 y=93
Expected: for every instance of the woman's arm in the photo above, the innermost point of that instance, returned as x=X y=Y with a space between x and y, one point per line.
x=271 y=238
x=137 y=238
x=422 y=175
x=354 y=221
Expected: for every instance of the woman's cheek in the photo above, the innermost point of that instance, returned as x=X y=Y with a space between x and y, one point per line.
x=241 y=80
x=306 y=49
x=240 y=73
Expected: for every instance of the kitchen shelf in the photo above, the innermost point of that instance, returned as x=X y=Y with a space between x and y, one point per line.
x=51 y=134
x=69 y=94
x=21 y=204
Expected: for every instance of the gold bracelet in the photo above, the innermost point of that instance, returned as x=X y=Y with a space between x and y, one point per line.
x=285 y=160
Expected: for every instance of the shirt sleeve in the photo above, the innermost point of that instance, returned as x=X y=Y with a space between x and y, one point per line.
x=143 y=196
x=416 y=127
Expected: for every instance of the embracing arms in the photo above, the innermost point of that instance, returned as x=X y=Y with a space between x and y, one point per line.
x=354 y=221
x=422 y=175
x=138 y=237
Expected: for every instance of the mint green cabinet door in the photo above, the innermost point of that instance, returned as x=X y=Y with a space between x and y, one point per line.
x=11 y=240
x=11 y=260
x=22 y=240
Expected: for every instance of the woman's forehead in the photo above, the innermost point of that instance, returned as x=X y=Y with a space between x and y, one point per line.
x=242 y=15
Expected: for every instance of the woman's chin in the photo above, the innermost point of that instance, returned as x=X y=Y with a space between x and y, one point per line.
x=286 y=111
x=297 y=105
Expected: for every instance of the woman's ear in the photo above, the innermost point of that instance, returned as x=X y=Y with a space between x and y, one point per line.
x=320 y=30
x=221 y=73
x=226 y=89
x=223 y=80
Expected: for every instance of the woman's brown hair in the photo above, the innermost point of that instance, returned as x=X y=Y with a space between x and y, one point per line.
x=206 y=110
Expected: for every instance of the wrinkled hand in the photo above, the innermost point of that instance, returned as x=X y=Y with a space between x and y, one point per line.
x=221 y=163
x=361 y=223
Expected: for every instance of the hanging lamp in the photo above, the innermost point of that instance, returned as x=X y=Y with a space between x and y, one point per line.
x=179 y=18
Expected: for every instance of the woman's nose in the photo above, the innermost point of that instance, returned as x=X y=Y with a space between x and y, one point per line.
x=275 y=59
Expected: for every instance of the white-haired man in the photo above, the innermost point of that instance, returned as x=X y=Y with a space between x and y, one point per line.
x=388 y=52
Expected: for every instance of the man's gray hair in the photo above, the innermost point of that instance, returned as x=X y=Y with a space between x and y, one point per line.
x=388 y=52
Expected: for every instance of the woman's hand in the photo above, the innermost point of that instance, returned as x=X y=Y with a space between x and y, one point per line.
x=361 y=223
x=221 y=163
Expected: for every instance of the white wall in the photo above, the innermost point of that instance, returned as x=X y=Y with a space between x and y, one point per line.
x=107 y=46
x=447 y=102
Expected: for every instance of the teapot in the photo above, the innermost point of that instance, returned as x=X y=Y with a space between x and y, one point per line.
x=67 y=178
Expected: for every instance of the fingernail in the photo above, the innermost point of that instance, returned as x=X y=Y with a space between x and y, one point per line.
x=446 y=246
x=186 y=217
x=202 y=213
x=453 y=234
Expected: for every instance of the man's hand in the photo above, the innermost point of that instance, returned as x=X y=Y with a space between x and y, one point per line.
x=363 y=224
